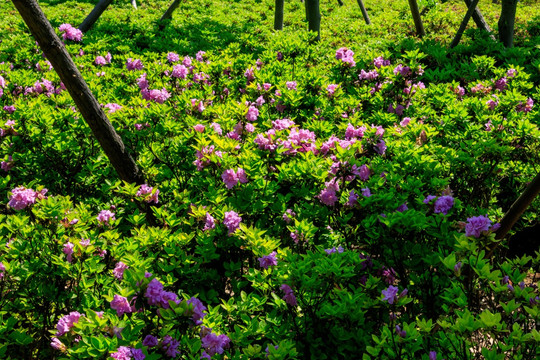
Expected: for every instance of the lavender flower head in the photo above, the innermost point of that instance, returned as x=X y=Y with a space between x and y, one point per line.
x=118 y=271
x=198 y=310
x=21 y=198
x=346 y=55
x=105 y=216
x=333 y=250
x=288 y=215
x=121 y=305
x=58 y=345
x=443 y=204
x=150 y=341
x=289 y=295
x=390 y=294
x=68 y=250
x=252 y=113
x=210 y=222
x=268 y=260
x=477 y=225
x=232 y=221
x=215 y=344
x=70 y=33
x=67 y=322
x=170 y=345
x=122 y=353
x=148 y=193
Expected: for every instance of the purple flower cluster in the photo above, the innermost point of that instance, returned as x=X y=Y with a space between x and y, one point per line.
x=179 y=71
x=333 y=250
x=282 y=124
x=252 y=113
x=288 y=215
x=105 y=216
x=210 y=222
x=148 y=193
x=103 y=60
x=328 y=195
x=268 y=260
x=214 y=344
x=291 y=85
x=362 y=172
x=2 y=270
x=58 y=345
x=353 y=199
x=170 y=346
x=368 y=75
x=172 y=57
x=353 y=132
x=21 y=198
x=402 y=70
x=150 y=341
x=231 y=177
x=380 y=61
x=121 y=305
x=501 y=84
x=45 y=87
x=119 y=269
x=68 y=250
x=442 y=204
x=332 y=89
x=67 y=322
x=478 y=225
x=390 y=294
x=232 y=221
x=159 y=96
x=198 y=310
x=159 y=297
x=380 y=147
x=527 y=107
x=113 y=107
x=346 y=55
x=288 y=295
x=203 y=156
x=134 y=64
x=70 y=33
x=300 y=140
x=122 y=353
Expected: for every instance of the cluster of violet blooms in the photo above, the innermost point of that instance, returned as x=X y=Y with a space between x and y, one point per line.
x=148 y=194
x=70 y=33
x=22 y=197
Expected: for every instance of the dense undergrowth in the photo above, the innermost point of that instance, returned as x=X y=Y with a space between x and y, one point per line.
x=314 y=200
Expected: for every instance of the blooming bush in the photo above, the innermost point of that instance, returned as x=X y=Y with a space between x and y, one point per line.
x=331 y=200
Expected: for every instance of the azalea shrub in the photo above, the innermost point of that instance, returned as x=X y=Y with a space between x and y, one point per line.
x=302 y=200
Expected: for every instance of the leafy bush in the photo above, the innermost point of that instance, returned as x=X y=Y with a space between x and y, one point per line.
x=319 y=201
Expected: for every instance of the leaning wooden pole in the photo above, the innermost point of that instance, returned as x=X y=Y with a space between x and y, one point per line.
x=478 y=18
x=314 y=17
x=364 y=11
x=416 y=17
x=55 y=51
x=278 y=15
x=168 y=14
x=464 y=23
x=507 y=21
x=94 y=15
x=514 y=213
x=518 y=207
